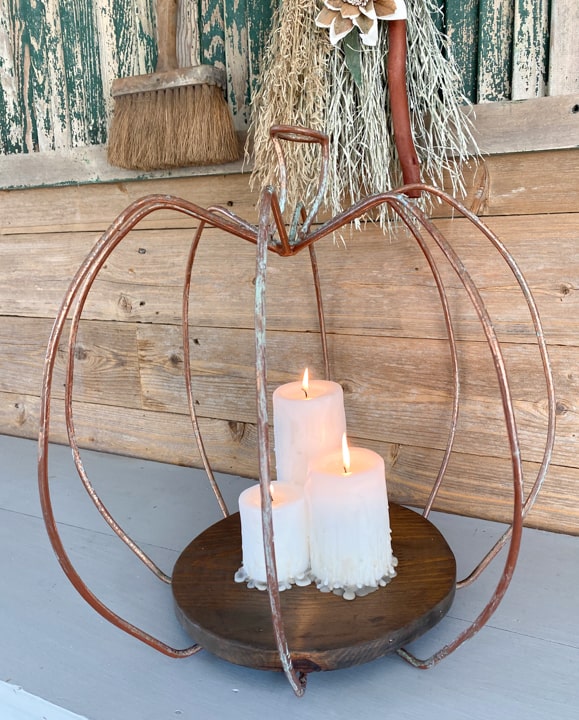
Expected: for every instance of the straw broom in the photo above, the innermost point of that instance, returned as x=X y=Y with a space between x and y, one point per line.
x=173 y=117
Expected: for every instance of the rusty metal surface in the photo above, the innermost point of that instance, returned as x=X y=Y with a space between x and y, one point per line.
x=273 y=234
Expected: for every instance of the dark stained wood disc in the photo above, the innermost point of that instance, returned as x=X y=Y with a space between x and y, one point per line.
x=324 y=631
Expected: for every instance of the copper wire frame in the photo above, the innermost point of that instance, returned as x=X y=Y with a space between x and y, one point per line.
x=272 y=235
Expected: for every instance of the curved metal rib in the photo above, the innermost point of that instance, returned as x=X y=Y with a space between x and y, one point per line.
x=75 y=297
x=400 y=205
x=519 y=509
x=547 y=372
x=187 y=371
x=510 y=422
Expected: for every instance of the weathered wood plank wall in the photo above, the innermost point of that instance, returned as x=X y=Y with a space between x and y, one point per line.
x=564 y=48
x=386 y=332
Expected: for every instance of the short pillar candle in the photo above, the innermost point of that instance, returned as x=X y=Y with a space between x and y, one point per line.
x=308 y=421
x=290 y=537
x=350 y=545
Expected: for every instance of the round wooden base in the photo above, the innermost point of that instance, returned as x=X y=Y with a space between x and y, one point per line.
x=324 y=631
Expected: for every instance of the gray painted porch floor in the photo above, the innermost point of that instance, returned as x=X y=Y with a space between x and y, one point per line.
x=523 y=664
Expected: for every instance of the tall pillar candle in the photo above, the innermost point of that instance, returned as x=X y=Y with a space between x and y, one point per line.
x=306 y=424
x=290 y=537
x=350 y=546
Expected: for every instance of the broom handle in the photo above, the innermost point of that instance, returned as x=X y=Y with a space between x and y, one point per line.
x=399 y=104
x=166 y=35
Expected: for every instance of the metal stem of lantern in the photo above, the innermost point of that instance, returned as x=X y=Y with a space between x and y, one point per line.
x=296 y=680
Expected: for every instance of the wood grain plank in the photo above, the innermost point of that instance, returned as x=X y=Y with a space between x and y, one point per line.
x=551 y=124
x=505 y=184
x=395 y=390
x=495 y=43
x=105 y=369
x=482 y=487
x=530 y=48
x=82 y=207
x=167 y=437
x=462 y=18
x=89 y=165
x=564 y=48
x=475 y=486
x=375 y=285
x=528 y=125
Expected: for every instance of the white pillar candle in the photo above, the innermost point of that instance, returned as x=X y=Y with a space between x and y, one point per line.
x=290 y=537
x=350 y=547
x=306 y=426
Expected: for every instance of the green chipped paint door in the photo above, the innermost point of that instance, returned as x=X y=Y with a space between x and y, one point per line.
x=501 y=47
x=57 y=60
x=58 y=57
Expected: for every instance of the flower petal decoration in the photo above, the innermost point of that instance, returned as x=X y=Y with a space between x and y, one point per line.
x=348 y=10
x=341 y=16
x=326 y=17
x=390 y=9
x=339 y=28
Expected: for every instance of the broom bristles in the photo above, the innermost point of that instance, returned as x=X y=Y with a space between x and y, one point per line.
x=174 y=127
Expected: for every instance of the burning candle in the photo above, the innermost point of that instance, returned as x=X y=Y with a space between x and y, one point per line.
x=308 y=421
x=350 y=547
x=290 y=537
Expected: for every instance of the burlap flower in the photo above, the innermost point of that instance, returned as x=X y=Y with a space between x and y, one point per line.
x=342 y=16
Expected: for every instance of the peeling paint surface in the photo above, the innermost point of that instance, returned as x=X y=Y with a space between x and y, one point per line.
x=235 y=19
x=58 y=58
x=11 y=110
x=500 y=46
x=462 y=23
x=496 y=21
x=530 y=48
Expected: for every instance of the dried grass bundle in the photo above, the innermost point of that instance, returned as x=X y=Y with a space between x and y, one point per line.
x=306 y=82
x=293 y=90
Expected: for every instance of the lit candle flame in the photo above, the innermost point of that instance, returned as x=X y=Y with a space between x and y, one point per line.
x=305 y=382
x=345 y=454
x=271 y=491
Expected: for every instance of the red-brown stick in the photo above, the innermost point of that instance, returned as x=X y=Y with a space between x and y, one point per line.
x=399 y=104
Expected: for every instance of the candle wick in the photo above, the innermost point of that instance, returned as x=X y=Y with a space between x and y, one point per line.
x=305 y=393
